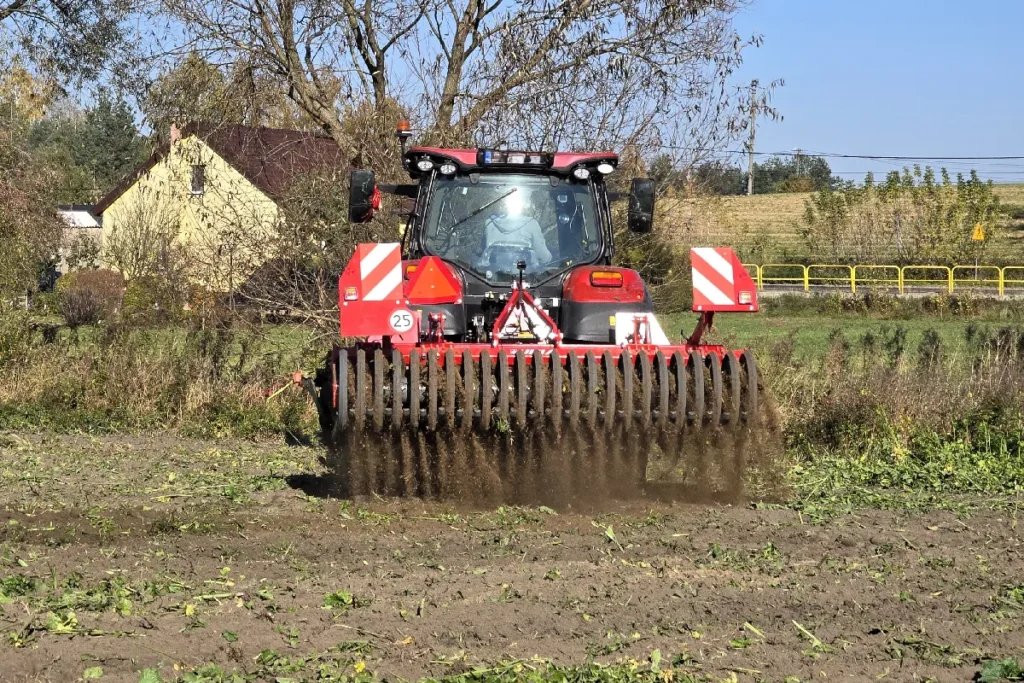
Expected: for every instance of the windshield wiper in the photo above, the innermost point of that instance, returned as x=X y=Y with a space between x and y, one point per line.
x=481 y=209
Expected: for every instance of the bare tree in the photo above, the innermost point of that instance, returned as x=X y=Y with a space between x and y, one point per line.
x=551 y=72
x=608 y=67
x=237 y=236
x=322 y=51
x=143 y=240
x=308 y=248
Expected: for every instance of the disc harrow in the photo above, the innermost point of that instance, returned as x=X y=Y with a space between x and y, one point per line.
x=531 y=424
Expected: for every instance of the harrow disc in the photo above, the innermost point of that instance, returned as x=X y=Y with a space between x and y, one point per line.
x=531 y=427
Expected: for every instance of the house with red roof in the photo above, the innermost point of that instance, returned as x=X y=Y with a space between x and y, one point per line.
x=213 y=196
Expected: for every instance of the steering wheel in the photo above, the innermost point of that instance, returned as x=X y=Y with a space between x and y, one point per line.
x=506 y=254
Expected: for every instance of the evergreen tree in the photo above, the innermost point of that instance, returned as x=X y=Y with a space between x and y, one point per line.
x=94 y=149
x=110 y=145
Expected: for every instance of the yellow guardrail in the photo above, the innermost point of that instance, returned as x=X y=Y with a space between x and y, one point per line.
x=878 y=281
x=755 y=273
x=919 y=277
x=790 y=268
x=974 y=280
x=830 y=275
x=903 y=279
x=1013 y=277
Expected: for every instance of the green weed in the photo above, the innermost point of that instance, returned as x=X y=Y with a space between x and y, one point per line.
x=15 y=586
x=931 y=652
x=996 y=670
x=342 y=601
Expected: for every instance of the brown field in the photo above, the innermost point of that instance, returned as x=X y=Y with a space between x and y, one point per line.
x=771 y=223
x=120 y=556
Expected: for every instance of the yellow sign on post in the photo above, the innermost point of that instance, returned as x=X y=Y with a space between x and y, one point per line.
x=979 y=233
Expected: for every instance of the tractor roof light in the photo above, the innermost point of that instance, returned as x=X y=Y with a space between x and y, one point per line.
x=425 y=164
x=581 y=173
x=447 y=168
x=605 y=168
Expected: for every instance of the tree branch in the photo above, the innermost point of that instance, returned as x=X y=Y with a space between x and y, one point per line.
x=11 y=8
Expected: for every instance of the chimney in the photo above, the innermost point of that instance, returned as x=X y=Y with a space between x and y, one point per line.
x=175 y=132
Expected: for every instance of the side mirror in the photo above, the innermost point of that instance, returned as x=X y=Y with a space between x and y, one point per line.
x=363 y=195
x=641 y=205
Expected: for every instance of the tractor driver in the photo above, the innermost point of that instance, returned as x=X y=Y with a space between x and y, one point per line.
x=508 y=225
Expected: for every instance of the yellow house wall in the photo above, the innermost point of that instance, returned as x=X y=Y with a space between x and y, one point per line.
x=223 y=232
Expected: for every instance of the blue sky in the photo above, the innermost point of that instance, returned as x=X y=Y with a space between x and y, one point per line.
x=893 y=77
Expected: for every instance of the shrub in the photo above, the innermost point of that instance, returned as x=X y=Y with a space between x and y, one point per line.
x=911 y=217
x=80 y=307
x=86 y=297
x=664 y=267
x=880 y=304
x=929 y=351
x=797 y=184
x=46 y=302
x=878 y=402
x=151 y=298
x=204 y=382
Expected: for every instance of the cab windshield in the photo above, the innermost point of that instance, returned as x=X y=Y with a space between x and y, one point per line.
x=488 y=225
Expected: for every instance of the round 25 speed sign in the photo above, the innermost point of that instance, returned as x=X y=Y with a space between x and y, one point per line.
x=401 y=321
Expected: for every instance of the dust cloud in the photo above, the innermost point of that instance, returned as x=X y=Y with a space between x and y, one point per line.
x=569 y=466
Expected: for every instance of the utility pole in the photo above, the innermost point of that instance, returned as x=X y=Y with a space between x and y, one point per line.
x=798 y=151
x=750 y=144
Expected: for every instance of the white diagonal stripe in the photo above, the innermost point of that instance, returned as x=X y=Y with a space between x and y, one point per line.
x=374 y=258
x=710 y=292
x=716 y=261
x=391 y=282
x=625 y=323
x=658 y=335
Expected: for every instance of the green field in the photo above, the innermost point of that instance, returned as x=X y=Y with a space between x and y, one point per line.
x=811 y=334
x=801 y=323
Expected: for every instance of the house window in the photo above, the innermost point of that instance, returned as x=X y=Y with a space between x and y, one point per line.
x=198 y=179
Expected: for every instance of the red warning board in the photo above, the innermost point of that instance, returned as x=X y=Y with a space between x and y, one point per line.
x=720 y=282
x=370 y=290
x=433 y=283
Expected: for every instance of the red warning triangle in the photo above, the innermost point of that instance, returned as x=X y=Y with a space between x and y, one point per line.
x=433 y=283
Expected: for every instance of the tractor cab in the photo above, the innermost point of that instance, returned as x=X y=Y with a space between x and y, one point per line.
x=502 y=219
x=487 y=223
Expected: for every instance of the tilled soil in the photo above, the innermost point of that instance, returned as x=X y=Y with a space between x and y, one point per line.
x=128 y=554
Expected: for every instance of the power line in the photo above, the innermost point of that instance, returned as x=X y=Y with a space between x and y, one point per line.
x=1020 y=172
x=880 y=157
x=836 y=155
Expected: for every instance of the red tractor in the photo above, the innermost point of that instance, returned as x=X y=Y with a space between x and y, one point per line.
x=498 y=347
